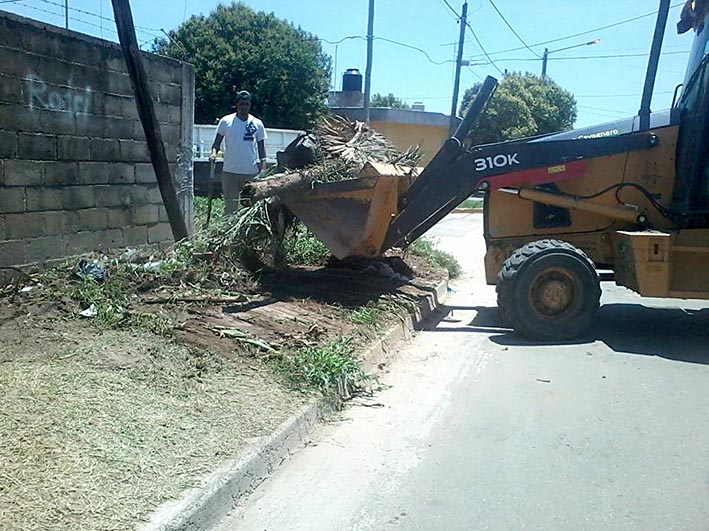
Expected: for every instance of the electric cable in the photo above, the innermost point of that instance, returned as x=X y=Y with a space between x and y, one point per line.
x=594 y=30
x=513 y=30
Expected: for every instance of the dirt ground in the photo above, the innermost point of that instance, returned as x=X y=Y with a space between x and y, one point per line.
x=101 y=425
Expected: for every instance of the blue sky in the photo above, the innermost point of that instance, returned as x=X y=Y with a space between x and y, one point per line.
x=418 y=65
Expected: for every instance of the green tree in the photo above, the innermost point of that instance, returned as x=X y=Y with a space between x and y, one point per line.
x=389 y=101
x=523 y=105
x=236 y=48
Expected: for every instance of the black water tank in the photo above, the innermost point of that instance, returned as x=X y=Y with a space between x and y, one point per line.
x=352 y=80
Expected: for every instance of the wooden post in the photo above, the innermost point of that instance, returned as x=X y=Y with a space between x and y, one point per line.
x=146 y=111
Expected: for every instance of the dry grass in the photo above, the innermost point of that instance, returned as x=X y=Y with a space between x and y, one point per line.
x=91 y=444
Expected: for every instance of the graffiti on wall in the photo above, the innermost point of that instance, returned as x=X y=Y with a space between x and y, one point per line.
x=41 y=95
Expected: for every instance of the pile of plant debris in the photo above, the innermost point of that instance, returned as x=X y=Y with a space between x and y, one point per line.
x=127 y=375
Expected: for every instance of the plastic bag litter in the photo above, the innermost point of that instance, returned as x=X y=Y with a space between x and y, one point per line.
x=85 y=269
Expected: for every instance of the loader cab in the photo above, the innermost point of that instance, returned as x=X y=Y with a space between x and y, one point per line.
x=691 y=193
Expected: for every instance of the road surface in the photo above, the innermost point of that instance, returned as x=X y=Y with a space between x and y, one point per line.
x=477 y=429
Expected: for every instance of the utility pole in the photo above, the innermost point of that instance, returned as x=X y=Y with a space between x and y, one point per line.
x=66 y=14
x=368 y=72
x=544 y=63
x=458 y=64
x=146 y=111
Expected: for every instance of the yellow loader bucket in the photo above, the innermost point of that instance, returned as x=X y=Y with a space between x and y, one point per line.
x=352 y=217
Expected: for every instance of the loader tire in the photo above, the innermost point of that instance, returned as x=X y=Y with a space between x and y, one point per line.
x=549 y=290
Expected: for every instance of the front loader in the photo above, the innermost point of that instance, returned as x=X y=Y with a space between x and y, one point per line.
x=630 y=196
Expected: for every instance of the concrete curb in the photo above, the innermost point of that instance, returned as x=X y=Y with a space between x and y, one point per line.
x=201 y=508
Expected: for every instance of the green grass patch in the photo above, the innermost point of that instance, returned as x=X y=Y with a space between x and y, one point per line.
x=329 y=368
x=436 y=257
x=472 y=203
x=301 y=247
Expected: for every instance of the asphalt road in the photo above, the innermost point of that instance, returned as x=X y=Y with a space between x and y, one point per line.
x=477 y=429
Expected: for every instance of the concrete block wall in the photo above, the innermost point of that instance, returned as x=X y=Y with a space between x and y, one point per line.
x=75 y=171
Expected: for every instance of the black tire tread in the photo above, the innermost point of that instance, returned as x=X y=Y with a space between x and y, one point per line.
x=506 y=280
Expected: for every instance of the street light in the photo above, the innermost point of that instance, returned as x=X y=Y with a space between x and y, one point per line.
x=547 y=51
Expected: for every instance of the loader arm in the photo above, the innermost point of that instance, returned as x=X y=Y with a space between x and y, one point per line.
x=456 y=172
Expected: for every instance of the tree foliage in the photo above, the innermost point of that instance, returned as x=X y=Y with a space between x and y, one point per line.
x=390 y=101
x=523 y=105
x=236 y=48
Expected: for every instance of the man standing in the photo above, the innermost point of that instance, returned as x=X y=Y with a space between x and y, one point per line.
x=244 y=150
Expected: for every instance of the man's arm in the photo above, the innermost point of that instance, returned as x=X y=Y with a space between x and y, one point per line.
x=261 y=155
x=215 y=147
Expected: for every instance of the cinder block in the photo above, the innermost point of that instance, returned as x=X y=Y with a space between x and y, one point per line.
x=23 y=172
x=8 y=143
x=92 y=219
x=135 y=236
x=119 y=173
x=130 y=109
x=37 y=147
x=26 y=225
x=16 y=62
x=139 y=194
x=13 y=253
x=170 y=133
x=60 y=222
x=162 y=214
x=144 y=173
x=162 y=113
x=103 y=149
x=115 y=62
x=153 y=195
x=119 y=83
x=175 y=114
x=113 y=195
x=132 y=151
x=90 y=125
x=56 y=122
x=18 y=118
x=159 y=233
x=171 y=152
x=119 y=218
x=41 y=249
x=2 y=228
x=170 y=94
x=12 y=200
x=138 y=131
x=77 y=197
x=41 y=198
x=10 y=89
x=93 y=172
x=110 y=239
x=74 y=148
x=60 y=173
x=82 y=242
x=120 y=128
x=147 y=215
x=114 y=103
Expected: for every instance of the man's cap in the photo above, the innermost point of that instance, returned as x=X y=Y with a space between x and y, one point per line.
x=243 y=95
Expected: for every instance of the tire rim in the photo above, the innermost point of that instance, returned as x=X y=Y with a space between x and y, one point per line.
x=552 y=292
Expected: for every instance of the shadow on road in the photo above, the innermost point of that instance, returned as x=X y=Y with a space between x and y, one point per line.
x=672 y=333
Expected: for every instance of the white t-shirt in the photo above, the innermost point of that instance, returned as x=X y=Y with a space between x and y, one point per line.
x=240 y=143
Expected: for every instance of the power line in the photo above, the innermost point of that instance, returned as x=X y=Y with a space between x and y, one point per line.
x=457 y=16
x=578 y=57
x=343 y=39
x=417 y=49
x=89 y=13
x=620 y=95
x=594 y=30
x=512 y=29
x=483 y=48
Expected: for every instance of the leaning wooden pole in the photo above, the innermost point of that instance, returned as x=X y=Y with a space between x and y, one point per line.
x=146 y=111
